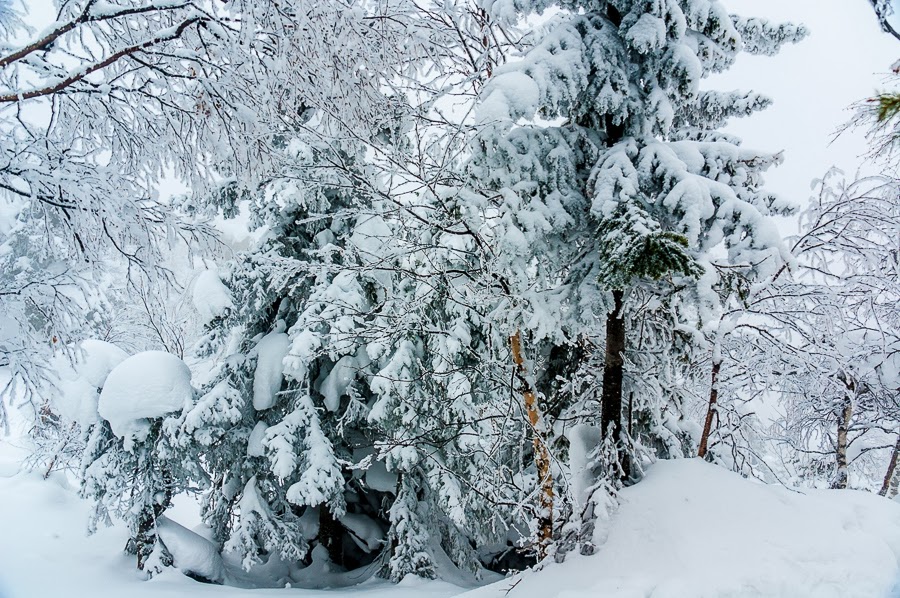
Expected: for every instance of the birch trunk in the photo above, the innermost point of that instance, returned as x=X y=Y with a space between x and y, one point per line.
x=541 y=453
x=841 y=474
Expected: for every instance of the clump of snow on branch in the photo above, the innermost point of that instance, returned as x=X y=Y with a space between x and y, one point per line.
x=211 y=298
x=143 y=387
x=270 y=352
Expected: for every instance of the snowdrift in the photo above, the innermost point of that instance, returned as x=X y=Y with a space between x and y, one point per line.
x=695 y=530
x=689 y=530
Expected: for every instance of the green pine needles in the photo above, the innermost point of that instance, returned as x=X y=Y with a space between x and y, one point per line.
x=630 y=250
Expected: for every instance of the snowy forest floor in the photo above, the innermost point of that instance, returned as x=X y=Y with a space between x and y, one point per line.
x=690 y=529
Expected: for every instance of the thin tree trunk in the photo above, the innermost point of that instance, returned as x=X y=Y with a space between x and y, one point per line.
x=711 y=410
x=892 y=477
x=330 y=535
x=541 y=453
x=146 y=538
x=56 y=451
x=613 y=369
x=841 y=475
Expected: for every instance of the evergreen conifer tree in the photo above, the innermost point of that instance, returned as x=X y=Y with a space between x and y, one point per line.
x=344 y=409
x=605 y=172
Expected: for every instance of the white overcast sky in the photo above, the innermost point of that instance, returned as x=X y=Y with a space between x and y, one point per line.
x=845 y=58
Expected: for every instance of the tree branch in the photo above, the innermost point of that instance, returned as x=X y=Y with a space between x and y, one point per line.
x=85 y=17
x=112 y=58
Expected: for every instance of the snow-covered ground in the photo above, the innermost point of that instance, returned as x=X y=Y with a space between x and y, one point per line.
x=44 y=553
x=694 y=530
x=689 y=530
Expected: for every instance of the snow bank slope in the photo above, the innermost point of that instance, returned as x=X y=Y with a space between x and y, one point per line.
x=692 y=529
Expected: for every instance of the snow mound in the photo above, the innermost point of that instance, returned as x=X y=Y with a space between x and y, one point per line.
x=211 y=298
x=255 y=447
x=80 y=381
x=46 y=554
x=99 y=359
x=145 y=386
x=379 y=478
x=191 y=553
x=694 y=529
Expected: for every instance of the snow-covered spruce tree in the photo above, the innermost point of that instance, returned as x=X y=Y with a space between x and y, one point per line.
x=338 y=419
x=129 y=468
x=343 y=413
x=246 y=504
x=627 y=183
x=441 y=402
x=134 y=485
x=285 y=413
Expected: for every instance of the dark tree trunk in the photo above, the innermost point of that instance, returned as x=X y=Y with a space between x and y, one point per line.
x=613 y=369
x=711 y=410
x=892 y=477
x=330 y=532
x=145 y=539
